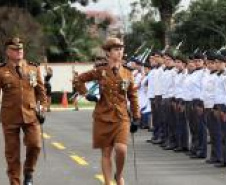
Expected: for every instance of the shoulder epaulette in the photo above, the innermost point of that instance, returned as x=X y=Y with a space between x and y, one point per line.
x=127 y=67
x=2 y=64
x=34 y=64
x=100 y=64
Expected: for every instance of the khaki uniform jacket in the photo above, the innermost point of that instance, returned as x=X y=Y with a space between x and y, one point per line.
x=111 y=119
x=112 y=106
x=19 y=95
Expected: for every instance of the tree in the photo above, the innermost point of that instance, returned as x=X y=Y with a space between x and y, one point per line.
x=166 y=9
x=16 y=21
x=67 y=35
x=203 y=26
x=37 y=7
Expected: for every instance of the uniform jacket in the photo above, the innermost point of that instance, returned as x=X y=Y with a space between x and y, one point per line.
x=20 y=94
x=114 y=91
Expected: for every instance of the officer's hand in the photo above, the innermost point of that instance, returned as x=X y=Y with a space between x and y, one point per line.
x=91 y=97
x=134 y=126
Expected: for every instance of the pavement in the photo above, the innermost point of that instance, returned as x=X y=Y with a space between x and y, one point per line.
x=72 y=161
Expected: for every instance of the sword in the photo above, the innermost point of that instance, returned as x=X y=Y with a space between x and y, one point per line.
x=43 y=143
x=134 y=159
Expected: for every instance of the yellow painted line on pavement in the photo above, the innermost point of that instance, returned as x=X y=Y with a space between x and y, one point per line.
x=58 y=145
x=101 y=179
x=79 y=160
x=46 y=136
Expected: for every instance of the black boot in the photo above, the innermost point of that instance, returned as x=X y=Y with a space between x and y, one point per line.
x=28 y=179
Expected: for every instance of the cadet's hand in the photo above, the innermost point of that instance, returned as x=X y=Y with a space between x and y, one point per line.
x=134 y=126
x=91 y=97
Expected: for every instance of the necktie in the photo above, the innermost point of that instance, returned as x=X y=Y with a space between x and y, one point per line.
x=19 y=71
x=115 y=70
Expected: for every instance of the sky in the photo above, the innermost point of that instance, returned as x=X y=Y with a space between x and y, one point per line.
x=118 y=7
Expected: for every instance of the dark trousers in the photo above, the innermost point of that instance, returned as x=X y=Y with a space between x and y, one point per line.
x=214 y=128
x=157 y=113
x=223 y=132
x=190 y=117
x=145 y=119
x=182 y=137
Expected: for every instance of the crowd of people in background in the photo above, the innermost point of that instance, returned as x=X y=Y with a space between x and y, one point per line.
x=183 y=101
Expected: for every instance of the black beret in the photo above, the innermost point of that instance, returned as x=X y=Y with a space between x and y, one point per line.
x=199 y=55
x=211 y=55
x=156 y=52
x=223 y=52
x=169 y=54
x=220 y=57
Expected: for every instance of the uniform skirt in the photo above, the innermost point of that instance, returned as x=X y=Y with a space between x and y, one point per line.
x=106 y=134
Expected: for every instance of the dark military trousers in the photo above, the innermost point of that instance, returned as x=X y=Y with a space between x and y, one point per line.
x=157 y=113
x=164 y=124
x=214 y=128
x=32 y=141
x=182 y=137
x=171 y=121
x=223 y=132
x=190 y=120
x=201 y=129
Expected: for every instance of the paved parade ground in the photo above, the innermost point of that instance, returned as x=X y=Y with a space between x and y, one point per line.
x=72 y=161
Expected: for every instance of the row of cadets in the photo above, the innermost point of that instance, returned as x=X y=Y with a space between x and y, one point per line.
x=189 y=101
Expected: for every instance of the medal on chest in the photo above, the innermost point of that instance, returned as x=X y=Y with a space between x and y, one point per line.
x=32 y=78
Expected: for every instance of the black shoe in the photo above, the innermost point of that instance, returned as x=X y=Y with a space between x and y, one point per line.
x=169 y=147
x=164 y=145
x=158 y=141
x=148 y=141
x=197 y=157
x=211 y=161
x=220 y=165
x=28 y=179
x=151 y=129
x=178 y=149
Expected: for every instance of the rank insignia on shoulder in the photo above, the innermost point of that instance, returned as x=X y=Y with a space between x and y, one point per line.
x=127 y=67
x=100 y=64
x=2 y=64
x=34 y=64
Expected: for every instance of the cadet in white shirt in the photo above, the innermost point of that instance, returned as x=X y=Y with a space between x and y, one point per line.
x=168 y=85
x=220 y=105
x=182 y=137
x=188 y=87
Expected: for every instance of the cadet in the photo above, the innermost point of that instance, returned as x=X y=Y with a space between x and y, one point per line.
x=111 y=119
x=22 y=87
x=220 y=108
x=181 y=124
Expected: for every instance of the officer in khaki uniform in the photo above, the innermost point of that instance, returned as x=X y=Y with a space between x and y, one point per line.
x=111 y=120
x=22 y=87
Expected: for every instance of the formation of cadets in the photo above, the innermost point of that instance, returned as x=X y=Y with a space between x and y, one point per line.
x=187 y=101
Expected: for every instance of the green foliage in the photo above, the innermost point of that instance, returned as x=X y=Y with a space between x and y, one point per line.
x=17 y=22
x=203 y=26
x=65 y=29
x=67 y=34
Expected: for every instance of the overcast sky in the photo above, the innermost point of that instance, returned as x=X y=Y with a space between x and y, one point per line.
x=119 y=7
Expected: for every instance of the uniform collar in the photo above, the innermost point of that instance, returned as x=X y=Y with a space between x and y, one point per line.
x=220 y=72
x=214 y=71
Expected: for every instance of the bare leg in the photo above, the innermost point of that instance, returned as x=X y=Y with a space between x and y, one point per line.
x=49 y=99
x=120 y=157
x=107 y=164
x=75 y=102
